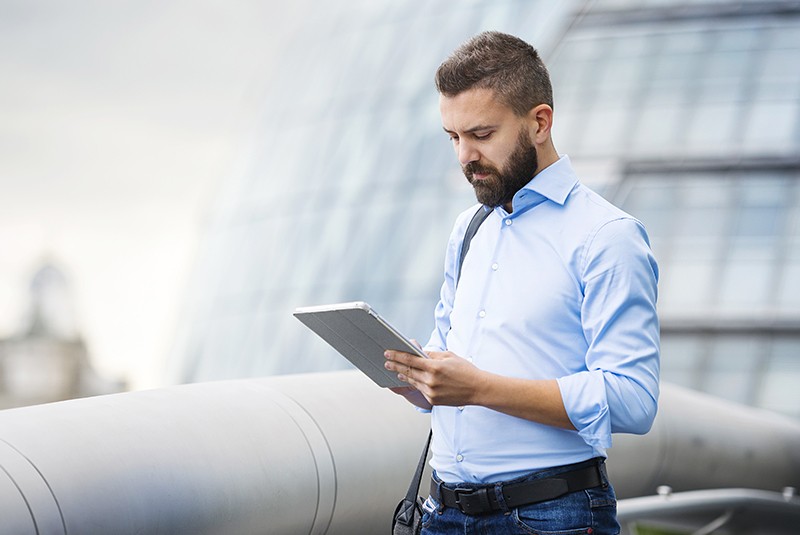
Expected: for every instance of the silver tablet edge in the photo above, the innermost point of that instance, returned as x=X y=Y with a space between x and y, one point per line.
x=366 y=308
x=338 y=306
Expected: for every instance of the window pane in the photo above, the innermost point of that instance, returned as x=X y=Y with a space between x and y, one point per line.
x=746 y=282
x=712 y=126
x=731 y=368
x=679 y=357
x=781 y=386
x=771 y=123
x=789 y=294
x=657 y=127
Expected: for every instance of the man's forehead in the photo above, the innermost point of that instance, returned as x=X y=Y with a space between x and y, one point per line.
x=472 y=95
x=471 y=109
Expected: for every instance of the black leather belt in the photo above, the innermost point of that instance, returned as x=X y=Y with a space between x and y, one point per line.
x=482 y=500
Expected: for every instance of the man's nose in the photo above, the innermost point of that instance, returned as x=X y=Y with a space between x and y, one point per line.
x=467 y=153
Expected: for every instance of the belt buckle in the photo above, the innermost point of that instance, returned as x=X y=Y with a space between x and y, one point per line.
x=472 y=501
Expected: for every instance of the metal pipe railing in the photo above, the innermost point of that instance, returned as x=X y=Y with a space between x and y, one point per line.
x=311 y=454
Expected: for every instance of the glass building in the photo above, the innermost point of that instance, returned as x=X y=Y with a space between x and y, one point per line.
x=684 y=113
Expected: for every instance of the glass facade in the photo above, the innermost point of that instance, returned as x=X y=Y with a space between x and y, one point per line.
x=726 y=238
x=349 y=190
x=687 y=118
x=695 y=106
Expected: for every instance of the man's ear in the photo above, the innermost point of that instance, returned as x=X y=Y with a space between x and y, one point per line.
x=540 y=121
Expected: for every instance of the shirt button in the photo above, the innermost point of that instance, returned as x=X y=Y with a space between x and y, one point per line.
x=482 y=313
x=459 y=457
x=508 y=222
x=495 y=266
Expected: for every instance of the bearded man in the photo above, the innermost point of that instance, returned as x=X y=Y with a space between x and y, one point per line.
x=546 y=338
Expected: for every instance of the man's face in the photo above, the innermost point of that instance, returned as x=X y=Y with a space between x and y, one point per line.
x=492 y=143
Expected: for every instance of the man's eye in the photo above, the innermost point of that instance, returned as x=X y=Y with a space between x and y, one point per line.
x=454 y=139
x=483 y=136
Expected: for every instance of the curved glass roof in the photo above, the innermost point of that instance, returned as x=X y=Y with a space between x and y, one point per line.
x=686 y=114
x=349 y=190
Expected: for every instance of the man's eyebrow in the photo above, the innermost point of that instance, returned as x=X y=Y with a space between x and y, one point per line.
x=477 y=128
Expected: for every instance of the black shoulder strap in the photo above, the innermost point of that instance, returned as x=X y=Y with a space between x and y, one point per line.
x=479 y=217
x=406 y=508
x=404 y=514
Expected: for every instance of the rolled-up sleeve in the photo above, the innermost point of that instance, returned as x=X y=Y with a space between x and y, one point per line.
x=619 y=391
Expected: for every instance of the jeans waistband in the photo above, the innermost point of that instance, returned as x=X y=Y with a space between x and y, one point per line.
x=538 y=486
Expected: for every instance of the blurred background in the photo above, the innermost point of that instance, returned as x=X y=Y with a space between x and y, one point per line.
x=176 y=177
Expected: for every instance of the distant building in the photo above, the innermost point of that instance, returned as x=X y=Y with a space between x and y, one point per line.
x=48 y=360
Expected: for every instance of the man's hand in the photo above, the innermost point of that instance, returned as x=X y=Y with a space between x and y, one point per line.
x=447 y=379
x=411 y=394
x=443 y=378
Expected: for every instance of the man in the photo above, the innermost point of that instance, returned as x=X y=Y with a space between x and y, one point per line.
x=547 y=341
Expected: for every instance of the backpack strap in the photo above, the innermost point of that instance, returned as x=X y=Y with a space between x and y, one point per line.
x=479 y=217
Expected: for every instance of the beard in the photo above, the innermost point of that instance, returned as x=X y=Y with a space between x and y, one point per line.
x=500 y=186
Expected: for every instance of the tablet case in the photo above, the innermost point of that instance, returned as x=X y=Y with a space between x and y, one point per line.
x=357 y=332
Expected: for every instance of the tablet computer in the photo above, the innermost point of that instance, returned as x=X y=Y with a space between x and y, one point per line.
x=357 y=332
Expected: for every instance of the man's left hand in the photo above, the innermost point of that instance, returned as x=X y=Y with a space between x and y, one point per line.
x=443 y=378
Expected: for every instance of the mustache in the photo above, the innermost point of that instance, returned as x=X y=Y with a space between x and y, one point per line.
x=474 y=167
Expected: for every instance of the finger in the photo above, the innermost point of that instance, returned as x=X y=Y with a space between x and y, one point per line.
x=399 y=356
x=404 y=363
x=417 y=385
x=438 y=355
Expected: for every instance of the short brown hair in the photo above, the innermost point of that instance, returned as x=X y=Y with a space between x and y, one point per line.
x=501 y=62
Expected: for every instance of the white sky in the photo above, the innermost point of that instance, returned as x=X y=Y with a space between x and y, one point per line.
x=118 y=122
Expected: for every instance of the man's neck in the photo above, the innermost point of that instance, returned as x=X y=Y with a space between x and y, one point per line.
x=547 y=155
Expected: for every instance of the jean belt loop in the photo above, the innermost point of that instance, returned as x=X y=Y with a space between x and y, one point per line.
x=501 y=501
x=438 y=496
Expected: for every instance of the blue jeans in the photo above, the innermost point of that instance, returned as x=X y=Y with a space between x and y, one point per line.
x=591 y=511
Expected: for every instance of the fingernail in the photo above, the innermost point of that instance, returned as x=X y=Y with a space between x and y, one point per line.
x=386 y=354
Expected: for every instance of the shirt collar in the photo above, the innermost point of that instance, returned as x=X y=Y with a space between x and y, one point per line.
x=555 y=181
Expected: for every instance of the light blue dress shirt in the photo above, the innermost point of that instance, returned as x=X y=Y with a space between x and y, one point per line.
x=562 y=288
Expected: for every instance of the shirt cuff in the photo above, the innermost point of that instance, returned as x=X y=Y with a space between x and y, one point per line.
x=584 y=397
